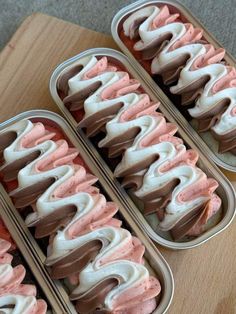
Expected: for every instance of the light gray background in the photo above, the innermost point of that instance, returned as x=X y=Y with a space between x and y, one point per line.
x=219 y=16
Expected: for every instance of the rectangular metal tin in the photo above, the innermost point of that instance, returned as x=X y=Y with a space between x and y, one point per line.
x=115 y=26
x=152 y=255
x=225 y=189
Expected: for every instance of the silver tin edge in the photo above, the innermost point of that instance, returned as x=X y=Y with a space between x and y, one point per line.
x=156 y=89
x=154 y=257
x=207 y=165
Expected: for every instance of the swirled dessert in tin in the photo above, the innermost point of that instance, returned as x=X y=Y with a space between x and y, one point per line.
x=165 y=44
x=103 y=262
x=153 y=161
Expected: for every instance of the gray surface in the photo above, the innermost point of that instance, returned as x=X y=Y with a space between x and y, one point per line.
x=217 y=15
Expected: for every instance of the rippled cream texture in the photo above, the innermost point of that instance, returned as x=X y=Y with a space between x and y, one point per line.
x=155 y=138
x=203 y=60
x=12 y=292
x=121 y=253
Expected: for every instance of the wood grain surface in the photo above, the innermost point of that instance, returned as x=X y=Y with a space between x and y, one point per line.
x=205 y=277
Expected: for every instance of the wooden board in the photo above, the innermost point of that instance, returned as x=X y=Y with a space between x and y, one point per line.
x=205 y=277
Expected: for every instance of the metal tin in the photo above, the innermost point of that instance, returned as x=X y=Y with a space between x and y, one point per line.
x=225 y=190
x=152 y=256
x=209 y=146
x=51 y=297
